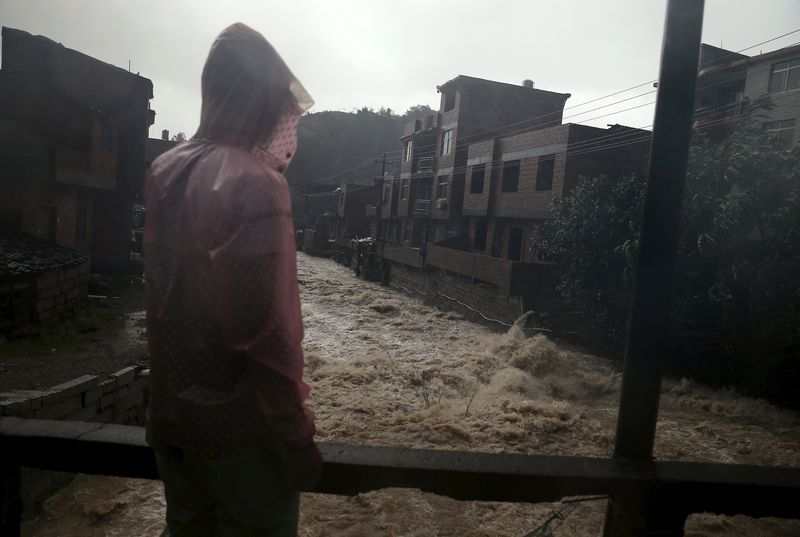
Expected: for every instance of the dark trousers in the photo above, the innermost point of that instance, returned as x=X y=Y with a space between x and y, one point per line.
x=239 y=496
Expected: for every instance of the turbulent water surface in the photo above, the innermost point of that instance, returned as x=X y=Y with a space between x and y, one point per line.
x=388 y=370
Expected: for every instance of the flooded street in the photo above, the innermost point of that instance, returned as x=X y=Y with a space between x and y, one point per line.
x=386 y=369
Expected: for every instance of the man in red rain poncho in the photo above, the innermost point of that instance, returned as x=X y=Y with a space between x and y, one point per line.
x=226 y=417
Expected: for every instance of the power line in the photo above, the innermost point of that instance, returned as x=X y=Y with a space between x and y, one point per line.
x=560 y=121
x=617 y=93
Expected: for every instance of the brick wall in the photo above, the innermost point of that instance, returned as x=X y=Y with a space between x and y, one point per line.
x=61 y=292
x=120 y=398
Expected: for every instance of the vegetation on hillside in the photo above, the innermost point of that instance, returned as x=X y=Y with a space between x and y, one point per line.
x=346 y=144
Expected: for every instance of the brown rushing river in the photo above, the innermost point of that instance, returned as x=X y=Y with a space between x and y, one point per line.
x=387 y=370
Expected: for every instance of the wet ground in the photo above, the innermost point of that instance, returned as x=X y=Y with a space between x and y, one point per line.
x=386 y=369
x=107 y=336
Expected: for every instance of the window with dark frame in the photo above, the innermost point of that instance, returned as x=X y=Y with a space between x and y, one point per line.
x=409 y=148
x=544 y=172
x=406 y=232
x=785 y=76
x=441 y=187
x=404 y=189
x=481 y=228
x=477 y=178
x=449 y=100
x=106 y=136
x=81 y=213
x=515 y=235
x=510 y=176
x=447 y=142
x=782 y=131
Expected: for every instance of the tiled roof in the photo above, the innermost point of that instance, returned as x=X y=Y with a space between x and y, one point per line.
x=22 y=254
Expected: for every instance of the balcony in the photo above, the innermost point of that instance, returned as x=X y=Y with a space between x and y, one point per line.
x=422 y=207
x=424 y=165
x=708 y=116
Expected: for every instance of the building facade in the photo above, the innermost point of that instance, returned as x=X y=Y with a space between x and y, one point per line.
x=74 y=134
x=729 y=83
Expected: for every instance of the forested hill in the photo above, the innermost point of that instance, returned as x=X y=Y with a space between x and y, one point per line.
x=330 y=143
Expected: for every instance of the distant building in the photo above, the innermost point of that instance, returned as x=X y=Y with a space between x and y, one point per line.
x=73 y=135
x=434 y=149
x=728 y=82
x=477 y=179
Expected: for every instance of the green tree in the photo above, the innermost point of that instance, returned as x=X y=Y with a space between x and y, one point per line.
x=180 y=137
x=737 y=290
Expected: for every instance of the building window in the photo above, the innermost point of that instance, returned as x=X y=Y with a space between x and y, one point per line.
x=409 y=148
x=515 y=244
x=441 y=187
x=81 y=213
x=404 y=189
x=785 y=76
x=510 y=176
x=406 y=232
x=497 y=240
x=48 y=222
x=544 y=172
x=447 y=142
x=476 y=181
x=782 y=131
x=106 y=135
x=449 y=100
x=479 y=242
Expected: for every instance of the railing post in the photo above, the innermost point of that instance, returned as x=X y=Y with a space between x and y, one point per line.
x=10 y=498
x=631 y=513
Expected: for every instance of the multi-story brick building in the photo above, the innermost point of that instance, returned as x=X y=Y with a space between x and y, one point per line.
x=478 y=177
x=513 y=181
x=74 y=134
x=729 y=82
x=434 y=154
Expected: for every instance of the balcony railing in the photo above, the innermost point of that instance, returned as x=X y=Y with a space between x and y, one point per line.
x=709 y=114
x=424 y=165
x=422 y=207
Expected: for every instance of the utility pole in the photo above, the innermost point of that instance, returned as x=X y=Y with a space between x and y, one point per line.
x=383 y=162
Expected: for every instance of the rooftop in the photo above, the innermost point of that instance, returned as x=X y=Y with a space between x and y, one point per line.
x=464 y=79
x=22 y=255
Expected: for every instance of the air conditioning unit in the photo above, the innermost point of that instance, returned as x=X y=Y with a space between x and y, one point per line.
x=441 y=203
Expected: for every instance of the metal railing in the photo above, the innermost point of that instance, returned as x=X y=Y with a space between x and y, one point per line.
x=646 y=497
x=422 y=207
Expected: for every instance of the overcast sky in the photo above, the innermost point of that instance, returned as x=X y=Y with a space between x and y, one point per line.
x=351 y=53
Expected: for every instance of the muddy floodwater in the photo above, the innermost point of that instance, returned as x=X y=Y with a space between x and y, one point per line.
x=388 y=370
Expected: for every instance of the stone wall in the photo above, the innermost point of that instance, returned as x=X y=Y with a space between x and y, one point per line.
x=479 y=302
x=60 y=292
x=485 y=304
x=120 y=398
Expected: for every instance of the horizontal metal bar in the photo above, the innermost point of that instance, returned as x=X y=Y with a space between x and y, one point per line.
x=108 y=449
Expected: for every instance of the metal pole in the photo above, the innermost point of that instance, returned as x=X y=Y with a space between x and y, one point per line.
x=647 y=331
